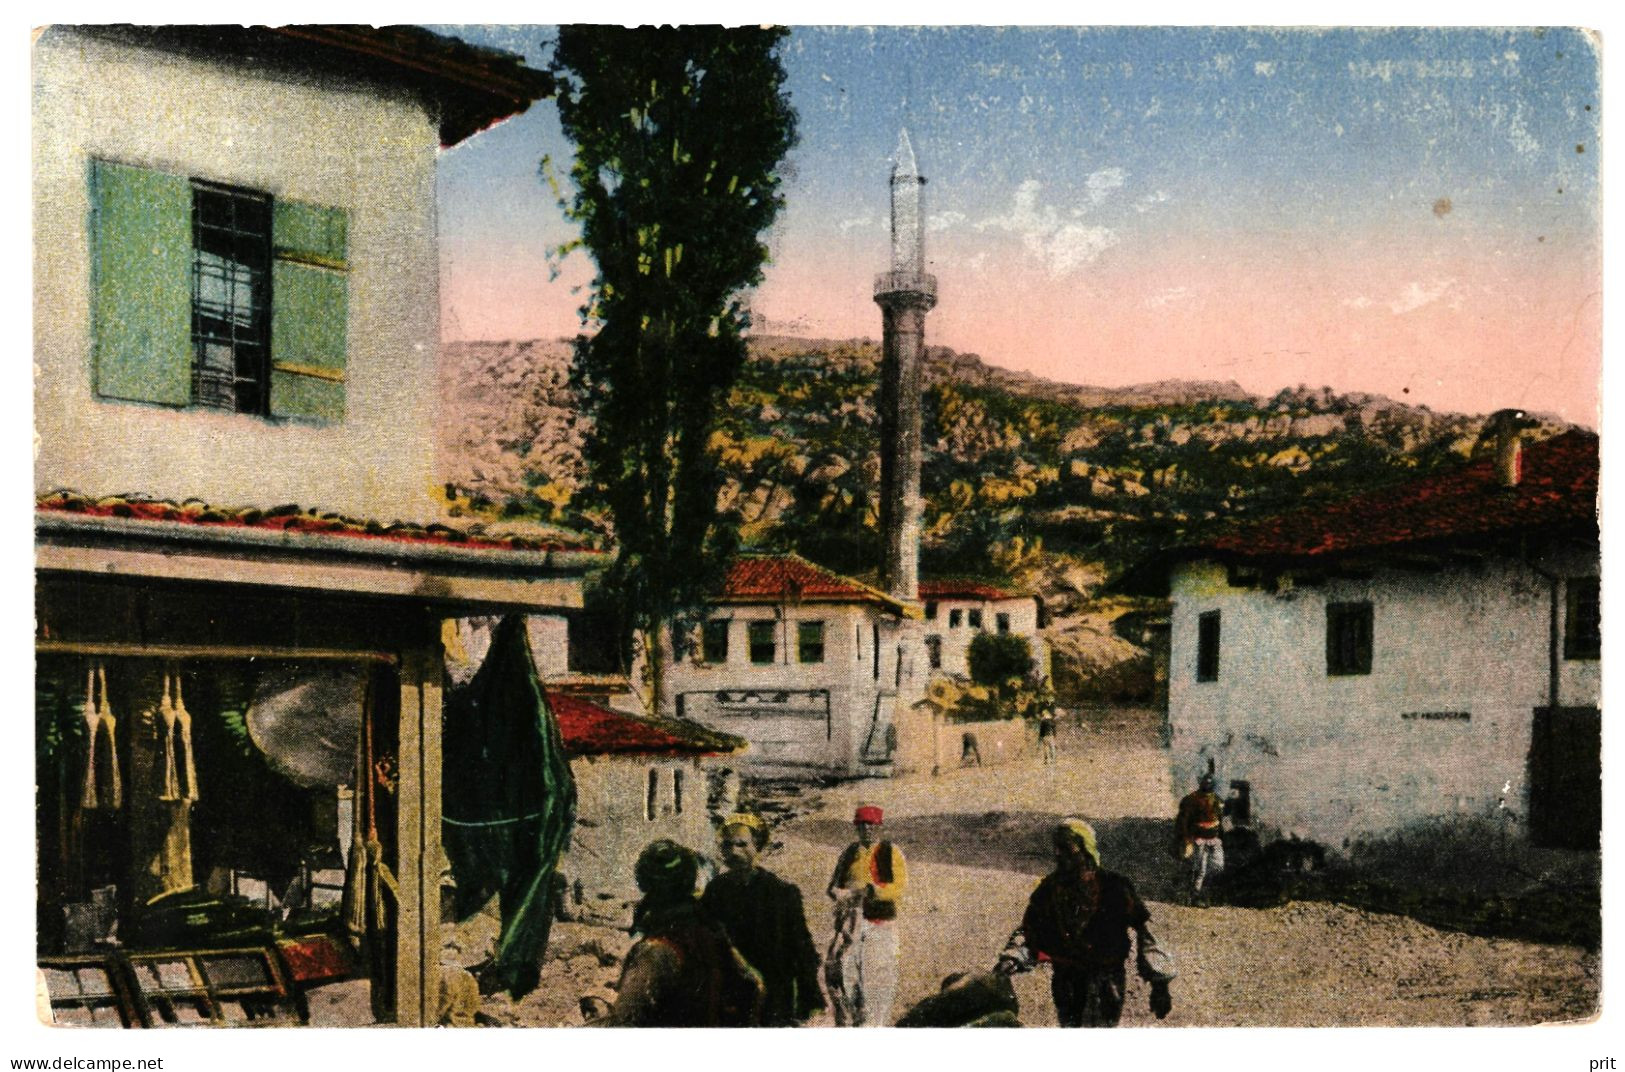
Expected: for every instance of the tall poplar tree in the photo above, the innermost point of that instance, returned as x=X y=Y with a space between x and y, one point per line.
x=680 y=135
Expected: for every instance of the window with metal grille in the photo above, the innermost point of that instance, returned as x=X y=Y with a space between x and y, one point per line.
x=1348 y=639
x=810 y=642
x=1582 y=625
x=763 y=648
x=231 y=298
x=714 y=641
x=1207 y=646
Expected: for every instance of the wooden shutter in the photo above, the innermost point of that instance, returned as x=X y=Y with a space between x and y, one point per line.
x=310 y=302
x=141 y=284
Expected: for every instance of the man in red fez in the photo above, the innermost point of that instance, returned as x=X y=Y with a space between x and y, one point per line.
x=867 y=884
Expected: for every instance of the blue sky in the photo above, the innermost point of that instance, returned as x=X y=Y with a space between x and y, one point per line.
x=1152 y=188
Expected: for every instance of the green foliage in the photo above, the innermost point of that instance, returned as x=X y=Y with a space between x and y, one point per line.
x=679 y=136
x=996 y=658
x=1006 y=684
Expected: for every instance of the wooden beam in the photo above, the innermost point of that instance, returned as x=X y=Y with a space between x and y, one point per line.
x=193 y=651
x=417 y=964
x=375 y=578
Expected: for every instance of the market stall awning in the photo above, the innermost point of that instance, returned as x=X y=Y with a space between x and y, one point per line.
x=289 y=548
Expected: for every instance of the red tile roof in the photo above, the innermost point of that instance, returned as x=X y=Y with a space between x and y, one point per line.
x=292 y=519
x=950 y=588
x=1558 y=490
x=778 y=578
x=591 y=730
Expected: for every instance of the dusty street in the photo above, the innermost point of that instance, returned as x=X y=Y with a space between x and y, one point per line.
x=976 y=841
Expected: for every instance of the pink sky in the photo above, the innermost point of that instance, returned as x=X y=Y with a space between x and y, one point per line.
x=1455 y=334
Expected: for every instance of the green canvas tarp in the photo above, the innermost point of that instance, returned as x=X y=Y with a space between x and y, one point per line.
x=508 y=804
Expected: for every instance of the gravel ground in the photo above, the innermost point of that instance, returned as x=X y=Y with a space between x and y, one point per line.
x=976 y=841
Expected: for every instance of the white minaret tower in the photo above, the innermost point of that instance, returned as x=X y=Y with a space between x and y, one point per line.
x=905 y=294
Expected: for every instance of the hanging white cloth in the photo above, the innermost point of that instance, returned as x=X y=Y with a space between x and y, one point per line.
x=175 y=741
x=100 y=724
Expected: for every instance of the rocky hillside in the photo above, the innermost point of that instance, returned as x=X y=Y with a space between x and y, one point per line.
x=1056 y=487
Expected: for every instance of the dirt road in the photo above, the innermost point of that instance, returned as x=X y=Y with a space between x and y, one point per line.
x=976 y=841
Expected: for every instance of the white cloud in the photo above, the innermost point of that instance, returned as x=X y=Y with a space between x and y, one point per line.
x=1102 y=183
x=856 y=223
x=944 y=220
x=1264 y=69
x=1359 y=301
x=1062 y=247
x=1146 y=203
x=1415 y=295
x=1075 y=245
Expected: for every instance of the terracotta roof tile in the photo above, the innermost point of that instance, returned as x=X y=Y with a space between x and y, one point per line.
x=591 y=730
x=1558 y=490
x=791 y=577
x=292 y=519
x=951 y=588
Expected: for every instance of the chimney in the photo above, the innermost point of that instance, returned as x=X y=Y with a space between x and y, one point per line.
x=1507 y=426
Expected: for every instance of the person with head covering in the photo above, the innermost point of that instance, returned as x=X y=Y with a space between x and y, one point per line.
x=1198 y=831
x=861 y=966
x=1079 y=920
x=763 y=917
x=682 y=972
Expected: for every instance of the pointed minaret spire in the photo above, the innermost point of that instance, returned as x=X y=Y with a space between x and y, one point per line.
x=904 y=164
x=907 y=247
x=905 y=295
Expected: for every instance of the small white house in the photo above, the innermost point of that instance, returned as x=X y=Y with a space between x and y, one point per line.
x=637 y=780
x=1419 y=654
x=805 y=664
x=957 y=610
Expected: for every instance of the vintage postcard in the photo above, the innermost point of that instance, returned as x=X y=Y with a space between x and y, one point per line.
x=582 y=526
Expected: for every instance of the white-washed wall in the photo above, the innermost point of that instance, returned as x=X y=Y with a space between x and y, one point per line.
x=348 y=147
x=1336 y=758
x=861 y=695
x=613 y=823
x=927 y=743
x=956 y=640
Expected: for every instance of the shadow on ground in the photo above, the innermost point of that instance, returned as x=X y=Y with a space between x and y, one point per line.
x=1018 y=841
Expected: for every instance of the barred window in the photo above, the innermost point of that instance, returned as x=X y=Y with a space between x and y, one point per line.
x=714 y=641
x=763 y=645
x=1582 y=625
x=810 y=642
x=231 y=298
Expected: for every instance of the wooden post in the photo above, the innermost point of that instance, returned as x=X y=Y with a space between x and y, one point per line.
x=417 y=966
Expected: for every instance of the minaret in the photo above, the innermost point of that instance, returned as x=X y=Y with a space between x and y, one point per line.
x=905 y=294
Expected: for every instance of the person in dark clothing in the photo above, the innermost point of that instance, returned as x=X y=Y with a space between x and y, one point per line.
x=1199 y=829
x=682 y=972
x=1079 y=919
x=764 y=919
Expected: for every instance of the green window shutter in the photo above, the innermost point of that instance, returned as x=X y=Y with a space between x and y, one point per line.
x=310 y=304
x=141 y=284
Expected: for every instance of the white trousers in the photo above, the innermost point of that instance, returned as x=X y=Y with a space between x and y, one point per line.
x=869 y=974
x=1206 y=861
